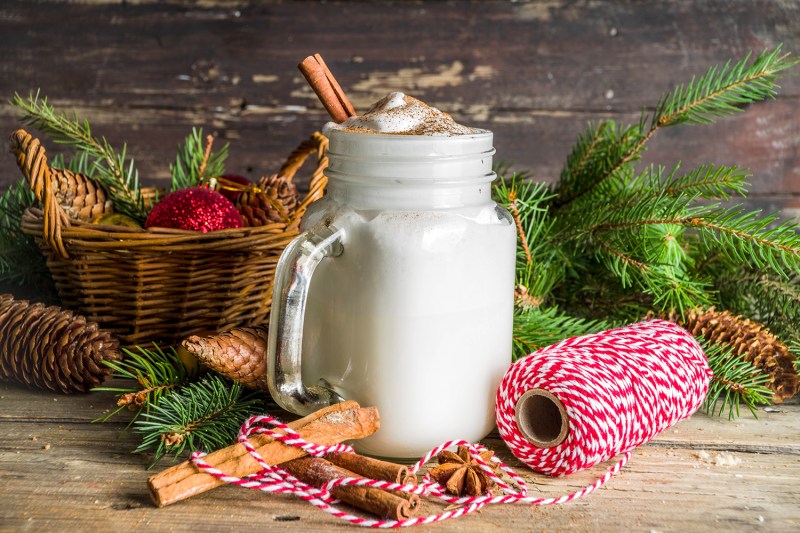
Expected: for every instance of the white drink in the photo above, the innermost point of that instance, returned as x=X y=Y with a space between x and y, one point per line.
x=415 y=317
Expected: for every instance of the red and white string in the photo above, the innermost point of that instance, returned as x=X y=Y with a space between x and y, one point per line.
x=620 y=388
x=655 y=362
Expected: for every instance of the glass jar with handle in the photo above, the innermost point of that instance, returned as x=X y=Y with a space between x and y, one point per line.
x=399 y=291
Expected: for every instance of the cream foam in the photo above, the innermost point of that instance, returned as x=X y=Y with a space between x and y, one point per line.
x=400 y=114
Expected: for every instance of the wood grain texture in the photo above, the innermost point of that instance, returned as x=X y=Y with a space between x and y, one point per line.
x=533 y=72
x=86 y=481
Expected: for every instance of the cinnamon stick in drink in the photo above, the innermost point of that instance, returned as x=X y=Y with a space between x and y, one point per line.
x=331 y=425
x=326 y=88
x=337 y=89
x=317 y=471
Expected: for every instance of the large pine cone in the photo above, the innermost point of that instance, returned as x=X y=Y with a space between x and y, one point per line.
x=274 y=199
x=750 y=340
x=52 y=348
x=239 y=354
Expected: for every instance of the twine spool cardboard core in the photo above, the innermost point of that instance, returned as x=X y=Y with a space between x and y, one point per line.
x=541 y=418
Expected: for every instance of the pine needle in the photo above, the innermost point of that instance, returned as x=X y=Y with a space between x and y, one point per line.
x=205 y=414
x=735 y=382
x=154 y=372
x=21 y=261
x=196 y=163
x=723 y=90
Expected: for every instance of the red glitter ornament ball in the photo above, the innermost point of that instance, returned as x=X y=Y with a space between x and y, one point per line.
x=195 y=208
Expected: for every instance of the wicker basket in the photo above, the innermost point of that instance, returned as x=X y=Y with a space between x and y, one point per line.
x=161 y=285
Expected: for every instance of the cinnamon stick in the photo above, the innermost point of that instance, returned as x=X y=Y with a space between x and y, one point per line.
x=317 y=471
x=326 y=88
x=377 y=469
x=372 y=468
x=331 y=425
x=337 y=89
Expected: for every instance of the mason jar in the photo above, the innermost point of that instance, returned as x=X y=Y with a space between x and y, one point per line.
x=399 y=291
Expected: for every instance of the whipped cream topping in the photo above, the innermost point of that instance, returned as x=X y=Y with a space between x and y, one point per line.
x=401 y=114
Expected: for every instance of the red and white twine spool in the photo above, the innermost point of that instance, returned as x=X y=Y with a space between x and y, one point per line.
x=587 y=399
x=566 y=407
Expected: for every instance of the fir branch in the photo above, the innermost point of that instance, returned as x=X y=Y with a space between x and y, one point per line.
x=723 y=90
x=761 y=242
x=602 y=151
x=720 y=92
x=537 y=328
x=540 y=261
x=195 y=163
x=523 y=239
x=668 y=284
x=711 y=182
x=21 y=260
x=112 y=169
x=205 y=414
x=156 y=373
x=735 y=382
x=583 y=151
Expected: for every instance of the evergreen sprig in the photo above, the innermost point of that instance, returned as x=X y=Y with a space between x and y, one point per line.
x=607 y=243
x=539 y=263
x=21 y=261
x=764 y=242
x=538 y=327
x=723 y=90
x=196 y=163
x=607 y=149
x=112 y=169
x=205 y=414
x=155 y=372
x=735 y=382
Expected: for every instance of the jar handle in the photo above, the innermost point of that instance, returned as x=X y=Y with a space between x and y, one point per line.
x=290 y=292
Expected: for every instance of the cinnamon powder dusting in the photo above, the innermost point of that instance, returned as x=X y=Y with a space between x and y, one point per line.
x=400 y=114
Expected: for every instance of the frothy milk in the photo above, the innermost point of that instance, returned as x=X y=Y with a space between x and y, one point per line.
x=400 y=114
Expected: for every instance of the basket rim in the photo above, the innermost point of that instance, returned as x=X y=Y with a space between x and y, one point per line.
x=108 y=237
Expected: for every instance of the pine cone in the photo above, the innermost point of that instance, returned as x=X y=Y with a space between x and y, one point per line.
x=52 y=348
x=750 y=340
x=239 y=354
x=273 y=200
x=79 y=195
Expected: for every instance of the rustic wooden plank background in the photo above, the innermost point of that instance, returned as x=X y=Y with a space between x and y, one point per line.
x=534 y=72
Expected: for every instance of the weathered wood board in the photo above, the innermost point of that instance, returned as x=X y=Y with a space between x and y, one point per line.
x=533 y=72
x=60 y=472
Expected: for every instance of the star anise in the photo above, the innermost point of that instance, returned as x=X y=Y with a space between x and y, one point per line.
x=459 y=473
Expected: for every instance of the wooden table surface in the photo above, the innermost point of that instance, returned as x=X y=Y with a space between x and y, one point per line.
x=534 y=73
x=61 y=472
